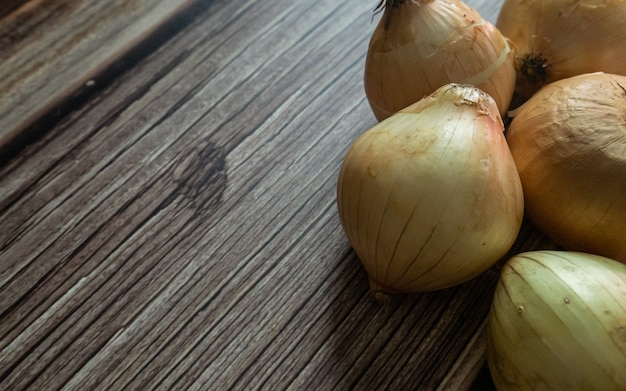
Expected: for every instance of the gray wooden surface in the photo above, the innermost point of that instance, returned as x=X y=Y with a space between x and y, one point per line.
x=167 y=205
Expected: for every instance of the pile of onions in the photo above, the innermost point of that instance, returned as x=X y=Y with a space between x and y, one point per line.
x=569 y=145
x=556 y=39
x=558 y=322
x=430 y=197
x=421 y=45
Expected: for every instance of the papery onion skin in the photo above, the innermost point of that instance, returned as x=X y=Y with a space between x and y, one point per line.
x=569 y=145
x=430 y=197
x=557 y=39
x=558 y=322
x=421 y=45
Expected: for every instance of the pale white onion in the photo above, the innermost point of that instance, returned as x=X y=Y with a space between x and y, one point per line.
x=430 y=197
x=558 y=322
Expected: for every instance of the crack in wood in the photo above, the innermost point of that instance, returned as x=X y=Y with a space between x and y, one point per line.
x=14 y=139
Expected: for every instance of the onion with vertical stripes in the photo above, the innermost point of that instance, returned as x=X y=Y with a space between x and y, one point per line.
x=430 y=197
x=558 y=322
x=421 y=45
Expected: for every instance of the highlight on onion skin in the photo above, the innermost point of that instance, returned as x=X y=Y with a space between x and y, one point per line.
x=558 y=322
x=421 y=45
x=558 y=39
x=430 y=197
x=569 y=144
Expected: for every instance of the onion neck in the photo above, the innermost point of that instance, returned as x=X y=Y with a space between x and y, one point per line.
x=382 y=297
x=380 y=293
x=400 y=16
x=534 y=72
x=397 y=3
x=389 y=4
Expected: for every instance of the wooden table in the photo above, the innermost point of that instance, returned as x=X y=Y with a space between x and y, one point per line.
x=167 y=205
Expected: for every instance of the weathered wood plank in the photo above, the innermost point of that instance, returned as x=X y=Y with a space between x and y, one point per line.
x=179 y=229
x=50 y=49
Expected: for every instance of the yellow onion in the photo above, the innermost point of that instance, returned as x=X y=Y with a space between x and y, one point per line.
x=569 y=145
x=558 y=322
x=421 y=45
x=556 y=39
x=430 y=197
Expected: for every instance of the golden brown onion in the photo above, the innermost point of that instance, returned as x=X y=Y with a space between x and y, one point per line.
x=556 y=39
x=421 y=45
x=430 y=197
x=569 y=145
x=558 y=322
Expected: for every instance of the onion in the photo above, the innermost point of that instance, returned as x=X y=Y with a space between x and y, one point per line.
x=430 y=197
x=569 y=145
x=556 y=39
x=558 y=322
x=421 y=45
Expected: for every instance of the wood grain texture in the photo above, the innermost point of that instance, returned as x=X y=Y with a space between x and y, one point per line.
x=50 y=49
x=178 y=229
